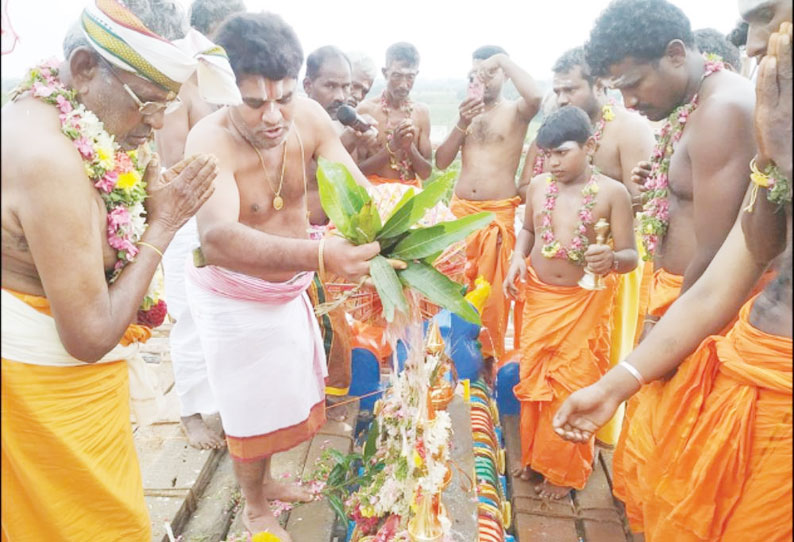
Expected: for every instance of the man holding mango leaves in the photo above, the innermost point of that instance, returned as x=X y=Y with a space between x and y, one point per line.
x=265 y=359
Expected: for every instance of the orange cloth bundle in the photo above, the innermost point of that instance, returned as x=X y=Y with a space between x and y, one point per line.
x=488 y=253
x=566 y=342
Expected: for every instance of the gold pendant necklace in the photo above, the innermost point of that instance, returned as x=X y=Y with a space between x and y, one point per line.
x=278 y=201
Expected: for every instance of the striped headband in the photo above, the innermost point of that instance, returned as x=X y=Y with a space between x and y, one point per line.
x=123 y=40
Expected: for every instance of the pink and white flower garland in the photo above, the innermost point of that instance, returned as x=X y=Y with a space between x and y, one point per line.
x=552 y=248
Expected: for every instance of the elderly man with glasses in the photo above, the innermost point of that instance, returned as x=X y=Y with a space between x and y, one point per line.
x=84 y=222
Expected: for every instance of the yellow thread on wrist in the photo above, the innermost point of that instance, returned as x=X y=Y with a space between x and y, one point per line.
x=154 y=248
x=461 y=130
x=321 y=258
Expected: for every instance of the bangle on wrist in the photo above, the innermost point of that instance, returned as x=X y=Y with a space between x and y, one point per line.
x=633 y=371
x=461 y=130
x=151 y=246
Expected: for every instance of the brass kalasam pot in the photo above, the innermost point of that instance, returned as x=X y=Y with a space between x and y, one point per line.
x=425 y=525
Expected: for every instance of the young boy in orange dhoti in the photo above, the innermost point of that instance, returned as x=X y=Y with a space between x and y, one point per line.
x=565 y=336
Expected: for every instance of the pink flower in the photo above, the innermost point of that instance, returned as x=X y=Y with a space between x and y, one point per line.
x=41 y=90
x=107 y=182
x=123 y=162
x=586 y=216
x=582 y=229
x=119 y=217
x=548 y=205
x=577 y=243
x=64 y=105
x=86 y=149
x=545 y=221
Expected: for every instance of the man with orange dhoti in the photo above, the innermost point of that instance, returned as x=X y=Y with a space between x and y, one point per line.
x=692 y=194
x=490 y=135
x=75 y=229
x=716 y=444
x=402 y=151
x=565 y=334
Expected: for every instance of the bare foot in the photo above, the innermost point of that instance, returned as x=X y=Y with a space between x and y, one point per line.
x=199 y=435
x=256 y=523
x=332 y=411
x=524 y=473
x=550 y=491
x=286 y=492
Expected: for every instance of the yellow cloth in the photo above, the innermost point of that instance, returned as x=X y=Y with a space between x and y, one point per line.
x=625 y=314
x=69 y=467
x=565 y=346
x=488 y=254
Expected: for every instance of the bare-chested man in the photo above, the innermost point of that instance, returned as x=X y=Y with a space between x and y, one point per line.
x=725 y=438
x=364 y=73
x=403 y=151
x=701 y=171
x=69 y=466
x=623 y=137
x=187 y=360
x=490 y=134
x=264 y=355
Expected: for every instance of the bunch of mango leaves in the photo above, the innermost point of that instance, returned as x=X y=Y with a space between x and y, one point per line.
x=356 y=217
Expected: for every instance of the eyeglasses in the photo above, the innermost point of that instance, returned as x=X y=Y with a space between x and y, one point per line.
x=147 y=108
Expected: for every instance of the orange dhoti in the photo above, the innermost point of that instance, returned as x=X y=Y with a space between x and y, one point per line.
x=565 y=342
x=377 y=179
x=69 y=467
x=722 y=468
x=488 y=253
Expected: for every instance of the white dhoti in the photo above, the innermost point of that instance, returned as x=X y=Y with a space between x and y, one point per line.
x=187 y=358
x=265 y=358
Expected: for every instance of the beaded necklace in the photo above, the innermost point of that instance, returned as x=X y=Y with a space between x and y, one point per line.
x=401 y=166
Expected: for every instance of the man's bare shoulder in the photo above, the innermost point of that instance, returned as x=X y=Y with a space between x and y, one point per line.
x=728 y=94
x=610 y=187
x=35 y=151
x=211 y=134
x=369 y=106
x=630 y=120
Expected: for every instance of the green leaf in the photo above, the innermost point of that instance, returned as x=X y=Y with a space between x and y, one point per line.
x=337 y=474
x=371 y=445
x=423 y=242
x=337 y=456
x=388 y=286
x=338 y=507
x=369 y=222
x=340 y=196
x=409 y=212
x=439 y=289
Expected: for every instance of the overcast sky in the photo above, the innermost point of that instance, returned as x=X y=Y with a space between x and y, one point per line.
x=534 y=32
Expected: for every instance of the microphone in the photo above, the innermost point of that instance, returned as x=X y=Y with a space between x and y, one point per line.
x=348 y=117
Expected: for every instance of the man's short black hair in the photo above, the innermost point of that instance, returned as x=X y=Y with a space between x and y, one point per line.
x=738 y=36
x=487 y=51
x=260 y=44
x=571 y=59
x=568 y=123
x=640 y=29
x=711 y=41
x=318 y=57
x=402 y=51
x=206 y=15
